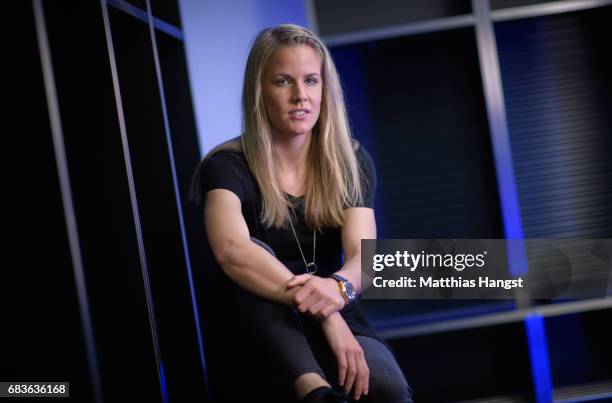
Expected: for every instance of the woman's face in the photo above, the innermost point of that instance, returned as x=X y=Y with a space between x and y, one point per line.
x=292 y=89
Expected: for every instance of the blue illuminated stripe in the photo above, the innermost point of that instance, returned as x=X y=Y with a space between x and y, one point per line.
x=168 y=28
x=508 y=194
x=163 y=381
x=538 y=353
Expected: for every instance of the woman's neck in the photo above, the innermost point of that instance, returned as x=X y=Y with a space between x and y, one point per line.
x=290 y=157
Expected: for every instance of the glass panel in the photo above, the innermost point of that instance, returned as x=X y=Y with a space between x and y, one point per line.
x=558 y=91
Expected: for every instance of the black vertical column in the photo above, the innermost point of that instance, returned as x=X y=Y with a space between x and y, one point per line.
x=128 y=161
x=108 y=240
x=152 y=159
x=183 y=152
x=49 y=318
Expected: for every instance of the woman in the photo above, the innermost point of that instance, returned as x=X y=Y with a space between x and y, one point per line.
x=282 y=204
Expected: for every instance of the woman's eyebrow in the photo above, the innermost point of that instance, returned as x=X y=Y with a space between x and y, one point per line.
x=290 y=76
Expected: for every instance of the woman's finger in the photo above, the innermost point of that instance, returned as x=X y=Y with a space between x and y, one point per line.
x=303 y=294
x=363 y=376
x=342 y=368
x=307 y=304
x=366 y=388
x=298 y=280
x=351 y=372
x=316 y=308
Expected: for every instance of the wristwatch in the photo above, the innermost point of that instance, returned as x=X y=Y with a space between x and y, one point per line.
x=346 y=288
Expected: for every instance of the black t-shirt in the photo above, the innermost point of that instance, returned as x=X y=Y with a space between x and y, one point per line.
x=229 y=170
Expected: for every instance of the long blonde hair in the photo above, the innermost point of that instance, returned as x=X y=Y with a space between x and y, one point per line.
x=331 y=161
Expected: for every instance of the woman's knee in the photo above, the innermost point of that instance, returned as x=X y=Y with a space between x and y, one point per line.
x=388 y=389
x=387 y=381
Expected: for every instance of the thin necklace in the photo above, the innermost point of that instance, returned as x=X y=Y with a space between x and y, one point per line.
x=311 y=268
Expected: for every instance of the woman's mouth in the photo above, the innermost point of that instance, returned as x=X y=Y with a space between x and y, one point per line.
x=299 y=114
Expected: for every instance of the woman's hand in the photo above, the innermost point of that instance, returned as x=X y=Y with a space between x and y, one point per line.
x=352 y=367
x=319 y=297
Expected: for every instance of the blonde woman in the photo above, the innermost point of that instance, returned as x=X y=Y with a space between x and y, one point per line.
x=286 y=205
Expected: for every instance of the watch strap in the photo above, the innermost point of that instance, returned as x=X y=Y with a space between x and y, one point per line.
x=338 y=277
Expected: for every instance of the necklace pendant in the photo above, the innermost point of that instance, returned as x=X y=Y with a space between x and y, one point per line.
x=311 y=268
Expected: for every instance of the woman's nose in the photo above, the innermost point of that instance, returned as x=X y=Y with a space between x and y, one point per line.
x=299 y=93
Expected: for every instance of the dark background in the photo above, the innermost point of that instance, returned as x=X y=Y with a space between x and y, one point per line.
x=135 y=327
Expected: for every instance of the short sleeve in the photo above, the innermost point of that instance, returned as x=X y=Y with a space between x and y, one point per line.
x=221 y=171
x=367 y=172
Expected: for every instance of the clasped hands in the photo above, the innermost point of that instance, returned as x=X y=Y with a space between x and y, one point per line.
x=318 y=297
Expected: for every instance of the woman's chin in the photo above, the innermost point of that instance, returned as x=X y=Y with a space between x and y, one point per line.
x=298 y=131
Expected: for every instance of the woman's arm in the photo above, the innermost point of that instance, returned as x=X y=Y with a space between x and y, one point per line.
x=359 y=224
x=244 y=262
x=353 y=370
x=321 y=297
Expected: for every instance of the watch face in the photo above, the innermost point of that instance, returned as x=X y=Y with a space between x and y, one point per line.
x=350 y=291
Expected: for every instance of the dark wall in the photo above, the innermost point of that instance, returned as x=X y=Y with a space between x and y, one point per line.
x=130 y=147
x=558 y=90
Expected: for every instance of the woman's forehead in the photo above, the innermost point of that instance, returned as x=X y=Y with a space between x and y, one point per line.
x=303 y=59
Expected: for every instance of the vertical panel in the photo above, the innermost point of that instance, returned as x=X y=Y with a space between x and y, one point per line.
x=154 y=187
x=45 y=315
x=186 y=366
x=102 y=201
x=555 y=71
x=429 y=128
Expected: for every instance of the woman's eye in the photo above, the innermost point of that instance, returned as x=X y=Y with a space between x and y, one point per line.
x=282 y=81
x=312 y=81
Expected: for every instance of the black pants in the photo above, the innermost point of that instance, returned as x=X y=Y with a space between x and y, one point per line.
x=266 y=345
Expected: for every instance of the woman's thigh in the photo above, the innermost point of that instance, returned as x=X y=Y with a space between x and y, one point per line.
x=275 y=348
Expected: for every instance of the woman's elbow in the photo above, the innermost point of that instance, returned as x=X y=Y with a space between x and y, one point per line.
x=228 y=254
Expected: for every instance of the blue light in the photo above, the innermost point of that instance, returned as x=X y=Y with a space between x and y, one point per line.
x=538 y=353
x=517 y=256
x=162 y=378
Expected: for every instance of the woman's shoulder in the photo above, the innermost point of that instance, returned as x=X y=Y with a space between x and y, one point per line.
x=226 y=155
x=230 y=150
x=222 y=168
x=233 y=157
